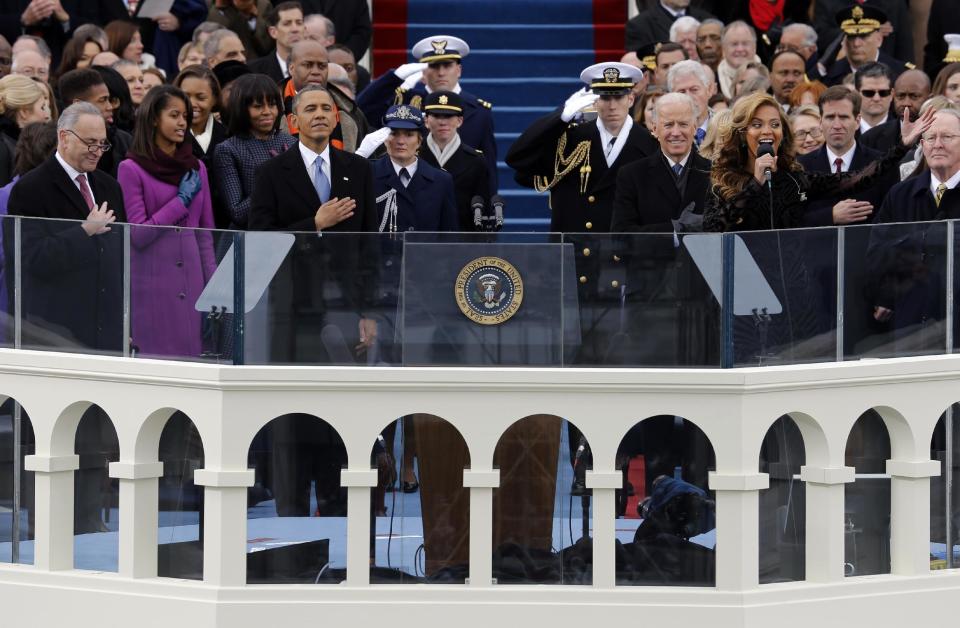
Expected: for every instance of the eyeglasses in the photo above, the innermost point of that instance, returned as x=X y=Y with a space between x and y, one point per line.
x=812 y=133
x=92 y=145
x=870 y=93
x=945 y=138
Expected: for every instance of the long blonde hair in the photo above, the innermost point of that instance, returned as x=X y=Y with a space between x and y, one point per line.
x=18 y=92
x=729 y=174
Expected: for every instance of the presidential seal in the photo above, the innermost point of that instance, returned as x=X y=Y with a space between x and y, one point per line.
x=489 y=290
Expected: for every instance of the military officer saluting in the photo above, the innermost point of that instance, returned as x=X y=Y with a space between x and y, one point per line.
x=577 y=162
x=444 y=149
x=439 y=60
x=861 y=42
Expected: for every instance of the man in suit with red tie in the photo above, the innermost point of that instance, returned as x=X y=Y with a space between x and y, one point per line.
x=316 y=188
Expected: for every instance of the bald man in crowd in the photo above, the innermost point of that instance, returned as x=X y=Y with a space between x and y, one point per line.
x=910 y=90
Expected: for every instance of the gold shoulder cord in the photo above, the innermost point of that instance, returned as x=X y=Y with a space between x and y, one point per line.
x=563 y=166
x=398 y=98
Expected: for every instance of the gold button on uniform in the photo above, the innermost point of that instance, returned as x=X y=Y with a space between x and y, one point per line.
x=615 y=283
x=583 y=279
x=586 y=252
x=591 y=199
x=589 y=225
x=616 y=258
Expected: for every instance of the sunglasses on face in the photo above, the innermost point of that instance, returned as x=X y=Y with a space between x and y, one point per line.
x=870 y=93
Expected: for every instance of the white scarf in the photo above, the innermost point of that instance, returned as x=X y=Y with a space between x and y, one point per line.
x=444 y=154
x=726 y=74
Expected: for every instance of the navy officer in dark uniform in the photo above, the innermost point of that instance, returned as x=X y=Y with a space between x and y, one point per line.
x=444 y=149
x=861 y=41
x=577 y=161
x=439 y=60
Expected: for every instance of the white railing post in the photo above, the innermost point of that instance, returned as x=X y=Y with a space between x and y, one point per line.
x=738 y=529
x=358 y=483
x=481 y=485
x=604 y=486
x=138 y=516
x=224 y=525
x=910 y=515
x=825 y=542
x=53 y=522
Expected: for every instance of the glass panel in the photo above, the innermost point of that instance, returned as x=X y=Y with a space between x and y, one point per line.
x=16 y=514
x=297 y=510
x=867 y=500
x=72 y=286
x=420 y=509
x=785 y=297
x=485 y=299
x=944 y=498
x=895 y=290
x=645 y=299
x=322 y=291
x=666 y=515
x=96 y=513
x=181 y=293
x=783 y=524
x=541 y=534
x=180 y=533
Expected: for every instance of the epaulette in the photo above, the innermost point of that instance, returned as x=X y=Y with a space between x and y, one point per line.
x=909 y=65
x=485 y=104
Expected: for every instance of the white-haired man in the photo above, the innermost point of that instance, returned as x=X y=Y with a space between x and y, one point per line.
x=684 y=32
x=739 y=44
x=691 y=78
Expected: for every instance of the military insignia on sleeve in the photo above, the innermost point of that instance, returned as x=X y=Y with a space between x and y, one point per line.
x=489 y=290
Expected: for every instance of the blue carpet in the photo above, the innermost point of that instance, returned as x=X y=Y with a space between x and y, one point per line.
x=526 y=57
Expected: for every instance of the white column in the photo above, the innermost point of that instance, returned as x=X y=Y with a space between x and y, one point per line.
x=138 y=517
x=224 y=525
x=53 y=521
x=358 y=483
x=604 y=485
x=481 y=485
x=825 y=508
x=738 y=529
x=910 y=515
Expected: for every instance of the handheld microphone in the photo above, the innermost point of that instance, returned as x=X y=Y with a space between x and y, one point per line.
x=766 y=148
x=476 y=204
x=497 y=201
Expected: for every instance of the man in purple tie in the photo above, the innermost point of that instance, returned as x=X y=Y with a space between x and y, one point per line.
x=72 y=270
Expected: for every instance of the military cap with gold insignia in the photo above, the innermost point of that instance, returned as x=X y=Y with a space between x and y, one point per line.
x=648 y=56
x=440 y=48
x=611 y=78
x=860 y=20
x=443 y=103
x=953 y=48
x=403 y=117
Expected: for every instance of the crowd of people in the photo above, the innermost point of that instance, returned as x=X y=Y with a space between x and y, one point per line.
x=243 y=115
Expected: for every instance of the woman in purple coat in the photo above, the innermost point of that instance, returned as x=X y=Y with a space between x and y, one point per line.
x=165 y=188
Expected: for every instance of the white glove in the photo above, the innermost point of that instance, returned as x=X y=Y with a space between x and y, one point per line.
x=411 y=81
x=407 y=69
x=372 y=142
x=579 y=100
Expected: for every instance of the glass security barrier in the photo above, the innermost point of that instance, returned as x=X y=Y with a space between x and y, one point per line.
x=180 y=501
x=783 y=521
x=96 y=500
x=945 y=491
x=17 y=512
x=867 y=499
x=644 y=300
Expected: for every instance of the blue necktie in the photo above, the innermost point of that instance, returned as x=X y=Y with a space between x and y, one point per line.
x=677 y=169
x=699 y=137
x=320 y=181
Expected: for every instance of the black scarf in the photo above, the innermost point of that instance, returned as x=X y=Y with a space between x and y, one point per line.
x=167 y=168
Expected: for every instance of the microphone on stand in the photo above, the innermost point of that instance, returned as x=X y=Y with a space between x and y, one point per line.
x=766 y=148
x=497 y=201
x=476 y=204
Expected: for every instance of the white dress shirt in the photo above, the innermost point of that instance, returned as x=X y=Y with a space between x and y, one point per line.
x=411 y=169
x=283 y=66
x=309 y=157
x=866 y=126
x=204 y=138
x=847 y=158
x=621 y=139
x=935 y=182
x=72 y=173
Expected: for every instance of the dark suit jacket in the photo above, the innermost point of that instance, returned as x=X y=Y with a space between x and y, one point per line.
x=426 y=204
x=268 y=64
x=944 y=19
x=653 y=26
x=469 y=171
x=819 y=213
x=884 y=137
x=647 y=197
x=351 y=19
x=72 y=282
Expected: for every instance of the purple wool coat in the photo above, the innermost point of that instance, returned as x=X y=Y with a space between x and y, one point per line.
x=168 y=267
